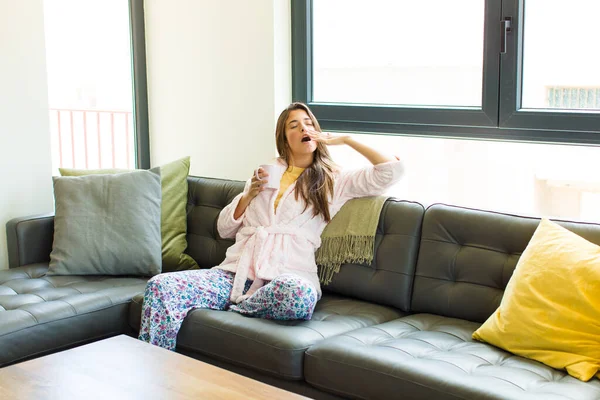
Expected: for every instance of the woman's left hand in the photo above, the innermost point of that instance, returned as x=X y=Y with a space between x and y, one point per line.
x=326 y=137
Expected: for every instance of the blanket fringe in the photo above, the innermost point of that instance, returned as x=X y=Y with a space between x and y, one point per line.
x=335 y=251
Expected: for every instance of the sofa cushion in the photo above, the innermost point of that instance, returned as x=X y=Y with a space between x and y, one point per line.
x=467 y=257
x=425 y=356
x=389 y=279
x=107 y=224
x=40 y=314
x=275 y=347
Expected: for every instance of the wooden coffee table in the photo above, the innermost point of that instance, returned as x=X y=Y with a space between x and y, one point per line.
x=125 y=368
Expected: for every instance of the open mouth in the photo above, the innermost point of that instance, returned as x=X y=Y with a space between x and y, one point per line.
x=305 y=139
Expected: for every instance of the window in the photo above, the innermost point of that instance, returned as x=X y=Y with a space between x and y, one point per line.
x=462 y=68
x=418 y=73
x=96 y=83
x=558 y=65
x=363 y=52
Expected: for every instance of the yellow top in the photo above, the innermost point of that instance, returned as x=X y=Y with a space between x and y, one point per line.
x=289 y=177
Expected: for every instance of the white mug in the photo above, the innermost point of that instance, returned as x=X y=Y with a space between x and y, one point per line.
x=275 y=173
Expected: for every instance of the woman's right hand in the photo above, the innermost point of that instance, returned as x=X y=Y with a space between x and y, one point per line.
x=256 y=186
x=257 y=183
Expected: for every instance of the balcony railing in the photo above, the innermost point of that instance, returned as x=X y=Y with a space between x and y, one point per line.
x=92 y=138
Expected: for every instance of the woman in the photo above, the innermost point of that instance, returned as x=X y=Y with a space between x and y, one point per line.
x=270 y=271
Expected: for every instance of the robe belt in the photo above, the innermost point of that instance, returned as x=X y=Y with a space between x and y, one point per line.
x=255 y=252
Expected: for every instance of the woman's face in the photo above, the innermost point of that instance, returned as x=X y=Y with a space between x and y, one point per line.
x=295 y=132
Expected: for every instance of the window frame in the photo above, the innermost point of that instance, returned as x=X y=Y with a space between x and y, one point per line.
x=499 y=118
x=511 y=113
x=141 y=128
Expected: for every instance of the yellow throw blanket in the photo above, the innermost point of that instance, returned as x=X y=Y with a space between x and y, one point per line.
x=349 y=237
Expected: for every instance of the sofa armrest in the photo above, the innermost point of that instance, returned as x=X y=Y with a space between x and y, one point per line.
x=29 y=239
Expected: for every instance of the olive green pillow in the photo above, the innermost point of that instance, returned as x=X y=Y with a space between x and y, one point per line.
x=173 y=211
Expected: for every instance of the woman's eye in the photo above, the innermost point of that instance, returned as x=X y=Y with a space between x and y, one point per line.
x=293 y=126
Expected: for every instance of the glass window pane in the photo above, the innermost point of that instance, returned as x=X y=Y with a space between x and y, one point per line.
x=88 y=55
x=560 y=57
x=401 y=52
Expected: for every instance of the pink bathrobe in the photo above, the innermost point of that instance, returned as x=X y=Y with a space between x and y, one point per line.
x=269 y=243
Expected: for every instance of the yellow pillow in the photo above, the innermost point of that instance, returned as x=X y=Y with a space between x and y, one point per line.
x=550 y=311
x=173 y=211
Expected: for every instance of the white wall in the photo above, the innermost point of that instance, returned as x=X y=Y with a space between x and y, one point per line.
x=26 y=185
x=219 y=73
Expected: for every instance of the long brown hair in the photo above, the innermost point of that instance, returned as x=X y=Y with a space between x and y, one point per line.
x=315 y=184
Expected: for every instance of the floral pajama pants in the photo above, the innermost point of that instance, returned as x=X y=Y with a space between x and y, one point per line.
x=169 y=297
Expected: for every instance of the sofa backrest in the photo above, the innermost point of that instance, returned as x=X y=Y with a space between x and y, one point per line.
x=467 y=257
x=206 y=198
x=389 y=278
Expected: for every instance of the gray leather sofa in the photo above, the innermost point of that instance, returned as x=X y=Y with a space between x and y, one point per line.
x=399 y=328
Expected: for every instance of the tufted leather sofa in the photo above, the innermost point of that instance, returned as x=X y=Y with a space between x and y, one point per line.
x=399 y=328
